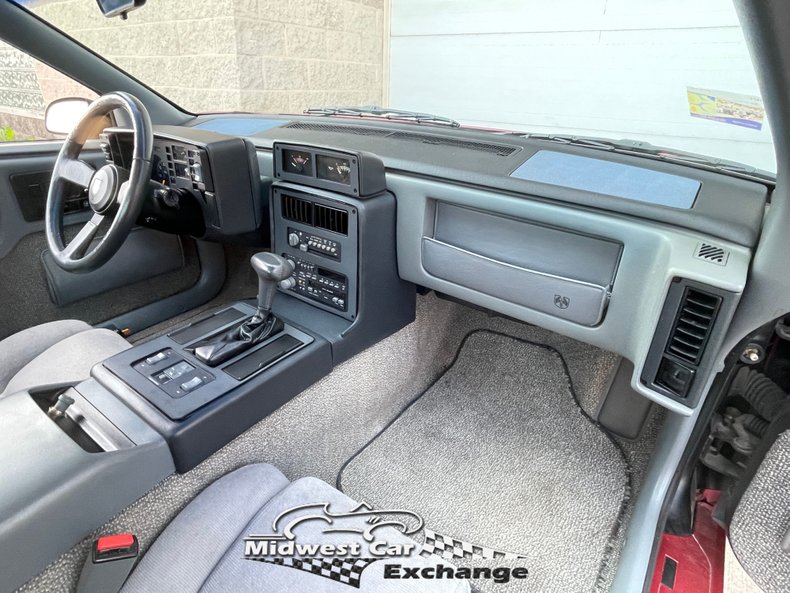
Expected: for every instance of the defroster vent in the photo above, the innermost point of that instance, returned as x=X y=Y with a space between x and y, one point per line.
x=693 y=325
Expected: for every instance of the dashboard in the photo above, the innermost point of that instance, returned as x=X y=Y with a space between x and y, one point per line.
x=656 y=283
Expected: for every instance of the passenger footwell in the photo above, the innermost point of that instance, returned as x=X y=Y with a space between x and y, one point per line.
x=498 y=453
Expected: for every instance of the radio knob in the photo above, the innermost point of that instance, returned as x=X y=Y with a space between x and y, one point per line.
x=294 y=240
x=288 y=283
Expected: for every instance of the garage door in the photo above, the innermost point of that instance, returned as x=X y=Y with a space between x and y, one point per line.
x=612 y=68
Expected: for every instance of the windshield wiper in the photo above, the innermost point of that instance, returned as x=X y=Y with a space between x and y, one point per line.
x=374 y=112
x=639 y=148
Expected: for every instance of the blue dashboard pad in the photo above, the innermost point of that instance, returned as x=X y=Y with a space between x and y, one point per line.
x=238 y=126
x=612 y=179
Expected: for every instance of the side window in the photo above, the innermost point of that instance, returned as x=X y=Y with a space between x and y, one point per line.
x=27 y=86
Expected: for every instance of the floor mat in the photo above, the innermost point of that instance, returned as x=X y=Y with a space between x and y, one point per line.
x=498 y=453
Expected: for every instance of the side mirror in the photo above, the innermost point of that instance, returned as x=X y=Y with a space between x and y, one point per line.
x=111 y=8
x=63 y=114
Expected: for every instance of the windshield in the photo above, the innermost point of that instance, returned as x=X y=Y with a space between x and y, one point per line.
x=675 y=74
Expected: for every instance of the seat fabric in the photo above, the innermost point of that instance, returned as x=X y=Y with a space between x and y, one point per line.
x=202 y=550
x=54 y=354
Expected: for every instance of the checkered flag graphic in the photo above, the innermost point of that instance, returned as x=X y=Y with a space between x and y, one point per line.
x=449 y=548
x=346 y=571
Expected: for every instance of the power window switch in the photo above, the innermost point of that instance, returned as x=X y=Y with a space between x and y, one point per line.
x=193 y=383
x=158 y=357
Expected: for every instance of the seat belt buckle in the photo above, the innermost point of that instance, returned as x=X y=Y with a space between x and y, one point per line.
x=114 y=547
x=108 y=565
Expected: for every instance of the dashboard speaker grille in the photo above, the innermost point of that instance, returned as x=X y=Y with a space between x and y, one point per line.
x=693 y=325
x=712 y=253
x=296 y=209
x=434 y=139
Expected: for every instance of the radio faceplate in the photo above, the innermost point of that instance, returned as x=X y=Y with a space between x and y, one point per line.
x=318 y=231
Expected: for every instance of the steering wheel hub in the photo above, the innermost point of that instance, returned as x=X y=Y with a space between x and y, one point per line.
x=104 y=188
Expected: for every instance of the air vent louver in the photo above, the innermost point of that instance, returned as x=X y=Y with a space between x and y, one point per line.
x=712 y=253
x=331 y=219
x=693 y=325
x=297 y=209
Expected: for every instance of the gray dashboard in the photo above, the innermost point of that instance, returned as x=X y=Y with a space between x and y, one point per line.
x=618 y=265
x=725 y=208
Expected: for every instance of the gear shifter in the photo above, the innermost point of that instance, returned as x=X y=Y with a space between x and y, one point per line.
x=271 y=270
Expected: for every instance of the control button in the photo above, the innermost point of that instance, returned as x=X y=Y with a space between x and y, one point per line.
x=293 y=240
x=303 y=247
x=158 y=357
x=193 y=383
x=114 y=542
x=162 y=378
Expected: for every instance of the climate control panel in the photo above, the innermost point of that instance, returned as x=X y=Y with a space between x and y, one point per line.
x=312 y=243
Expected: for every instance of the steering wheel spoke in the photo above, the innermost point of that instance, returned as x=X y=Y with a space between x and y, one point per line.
x=77 y=171
x=78 y=246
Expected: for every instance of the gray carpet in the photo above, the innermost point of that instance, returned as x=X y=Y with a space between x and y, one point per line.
x=319 y=430
x=497 y=453
x=26 y=301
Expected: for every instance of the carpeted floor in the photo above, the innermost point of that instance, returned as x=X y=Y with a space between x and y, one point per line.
x=26 y=300
x=498 y=453
x=316 y=432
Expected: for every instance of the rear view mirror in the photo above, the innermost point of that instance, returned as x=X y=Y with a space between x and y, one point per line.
x=63 y=114
x=111 y=8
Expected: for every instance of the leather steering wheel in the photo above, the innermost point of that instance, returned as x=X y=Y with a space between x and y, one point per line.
x=116 y=194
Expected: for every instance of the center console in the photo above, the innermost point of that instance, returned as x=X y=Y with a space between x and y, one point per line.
x=328 y=289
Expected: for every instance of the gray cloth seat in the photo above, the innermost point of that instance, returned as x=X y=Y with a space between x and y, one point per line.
x=53 y=354
x=203 y=548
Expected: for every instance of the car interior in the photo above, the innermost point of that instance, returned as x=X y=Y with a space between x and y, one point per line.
x=543 y=347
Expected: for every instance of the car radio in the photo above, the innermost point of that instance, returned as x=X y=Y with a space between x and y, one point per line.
x=319 y=284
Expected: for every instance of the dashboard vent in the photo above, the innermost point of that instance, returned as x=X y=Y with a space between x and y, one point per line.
x=712 y=253
x=433 y=139
x=297 y=209
x=497 y=149
x=358 y=130
x=693 y=325
x=331 y=219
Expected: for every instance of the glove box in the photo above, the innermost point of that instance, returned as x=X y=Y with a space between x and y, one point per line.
x=555 y=271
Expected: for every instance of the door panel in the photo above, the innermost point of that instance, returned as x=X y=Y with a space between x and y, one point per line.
x=158 y=266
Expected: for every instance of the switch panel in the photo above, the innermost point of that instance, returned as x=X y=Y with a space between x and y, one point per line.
x=172 y=374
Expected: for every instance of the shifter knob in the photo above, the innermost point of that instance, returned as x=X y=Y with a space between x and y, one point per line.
x=271 y=269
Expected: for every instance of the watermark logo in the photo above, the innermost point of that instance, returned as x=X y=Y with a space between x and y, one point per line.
x=345 y=559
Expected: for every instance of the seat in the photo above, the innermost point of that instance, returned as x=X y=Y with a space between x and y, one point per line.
x=53 y=354
x=203 y=548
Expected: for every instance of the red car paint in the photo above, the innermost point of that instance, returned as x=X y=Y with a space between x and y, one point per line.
x=697 y=559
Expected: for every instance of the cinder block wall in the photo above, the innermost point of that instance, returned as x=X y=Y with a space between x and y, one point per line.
x=243 y=55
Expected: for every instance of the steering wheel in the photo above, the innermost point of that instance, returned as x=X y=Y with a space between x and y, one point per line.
x=116 y=195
